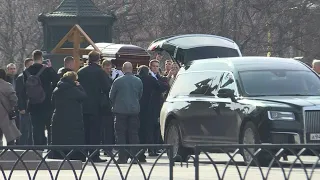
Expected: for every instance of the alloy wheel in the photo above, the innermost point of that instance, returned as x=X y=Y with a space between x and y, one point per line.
x=248 y=138
x=173 y=139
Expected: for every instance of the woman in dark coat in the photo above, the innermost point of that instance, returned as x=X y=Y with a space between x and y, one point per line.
x=67 y=119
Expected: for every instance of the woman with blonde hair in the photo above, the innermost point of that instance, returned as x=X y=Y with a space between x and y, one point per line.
x=67 y=119
x=173 y=73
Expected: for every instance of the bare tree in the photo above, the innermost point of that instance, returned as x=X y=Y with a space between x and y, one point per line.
x=286 y=28
x=20 y=32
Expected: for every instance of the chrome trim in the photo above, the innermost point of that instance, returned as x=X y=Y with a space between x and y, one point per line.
x=175 y=52
x=297 y=139
x=304 y=109
x=296 y=136
x=201 y=99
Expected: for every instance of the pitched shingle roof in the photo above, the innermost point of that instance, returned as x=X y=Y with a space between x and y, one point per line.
x=77 y=8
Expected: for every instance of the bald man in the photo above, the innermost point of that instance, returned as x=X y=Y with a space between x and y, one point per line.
x=125 y=93
x=316 y=66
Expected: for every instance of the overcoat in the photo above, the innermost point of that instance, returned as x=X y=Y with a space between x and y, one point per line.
x=67 y=119
x=8 y=100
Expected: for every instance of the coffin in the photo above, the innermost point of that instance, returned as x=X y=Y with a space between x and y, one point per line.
x=120 y=53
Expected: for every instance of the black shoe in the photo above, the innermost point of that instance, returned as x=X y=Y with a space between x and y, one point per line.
x=98 y=160
x=105 y=152
x=153 y=154
x=142 y=160
x=121 y=161
x=139 y=160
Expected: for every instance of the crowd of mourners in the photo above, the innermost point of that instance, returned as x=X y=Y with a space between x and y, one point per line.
x=98 y=104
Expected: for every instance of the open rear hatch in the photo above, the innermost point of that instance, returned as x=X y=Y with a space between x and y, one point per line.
x=189 y=47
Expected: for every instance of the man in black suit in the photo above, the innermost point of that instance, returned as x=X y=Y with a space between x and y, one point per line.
x=69 y=64
x=41 y=113
x=11 y=74
x=158 y=100
x=24 y=116
x=94 y=81
x=106 y=113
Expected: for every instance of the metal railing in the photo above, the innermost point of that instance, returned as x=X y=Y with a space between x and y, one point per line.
x=65 y=152
x=261 y=159
x=209 y=162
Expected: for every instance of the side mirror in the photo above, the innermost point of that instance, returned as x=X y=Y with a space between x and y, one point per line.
x=226 y=93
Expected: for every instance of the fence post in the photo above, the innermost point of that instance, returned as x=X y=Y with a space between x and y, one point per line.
x=196 y=163
x=171 y=162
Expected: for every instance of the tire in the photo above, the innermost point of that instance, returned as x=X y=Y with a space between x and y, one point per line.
x=173 y=137
x=250 y=135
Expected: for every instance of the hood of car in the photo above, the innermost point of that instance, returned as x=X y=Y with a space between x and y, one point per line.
x=302 y=101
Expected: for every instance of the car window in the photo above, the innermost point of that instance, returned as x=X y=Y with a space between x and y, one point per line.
x=196 y=83
x=280 y=82
x=209 y=52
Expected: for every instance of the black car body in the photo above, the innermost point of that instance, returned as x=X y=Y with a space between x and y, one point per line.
x=217 y=101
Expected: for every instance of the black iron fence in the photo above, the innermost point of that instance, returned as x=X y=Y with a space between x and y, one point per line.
x=76 y=159
x=258 y=161
x=208 y=162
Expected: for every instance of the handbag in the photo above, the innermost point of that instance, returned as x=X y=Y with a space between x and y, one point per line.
x=11 y=114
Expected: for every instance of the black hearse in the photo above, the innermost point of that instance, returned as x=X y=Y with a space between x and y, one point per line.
x=245 y=100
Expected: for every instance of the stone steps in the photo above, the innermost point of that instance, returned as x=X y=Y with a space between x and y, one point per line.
x=33 y=165
x=32 y=160
x=13 y=155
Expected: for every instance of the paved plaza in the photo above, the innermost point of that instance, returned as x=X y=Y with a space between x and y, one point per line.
x=161 y=171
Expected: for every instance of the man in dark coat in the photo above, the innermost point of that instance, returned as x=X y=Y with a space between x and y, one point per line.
x=67 y=119
x=25 y=120
x=11 y=74
x=69 y=64
x=95 y=83
x=41 y=113
x=107 y=115
x=147 y=125
x=157 y=99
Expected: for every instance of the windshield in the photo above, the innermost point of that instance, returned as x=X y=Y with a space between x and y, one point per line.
x=280 y=83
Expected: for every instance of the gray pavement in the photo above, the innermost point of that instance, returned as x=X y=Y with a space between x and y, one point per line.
x=161 y=171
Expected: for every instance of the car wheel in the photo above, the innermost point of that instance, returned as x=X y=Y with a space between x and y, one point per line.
x=173 y=137
x=250 y=135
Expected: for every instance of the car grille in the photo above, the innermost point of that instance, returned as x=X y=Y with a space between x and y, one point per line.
x=312 y=124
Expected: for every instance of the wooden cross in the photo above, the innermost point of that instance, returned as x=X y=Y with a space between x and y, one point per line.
x=76 y=35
